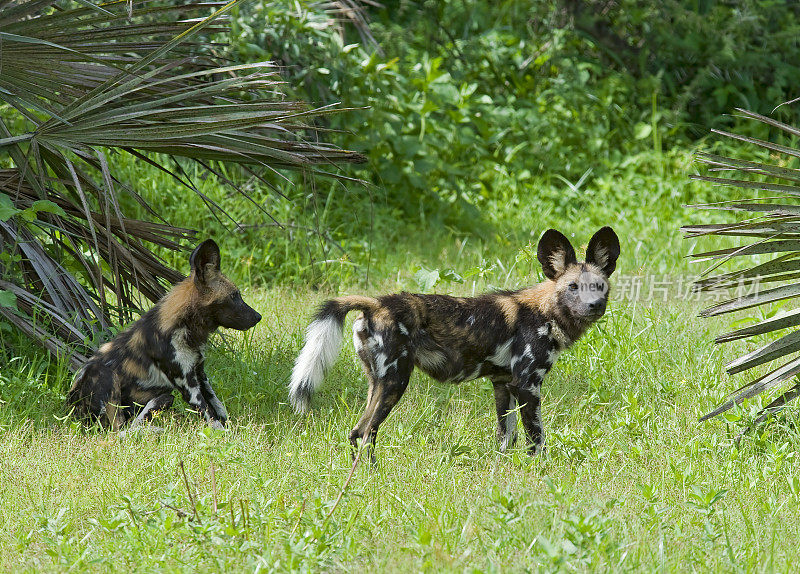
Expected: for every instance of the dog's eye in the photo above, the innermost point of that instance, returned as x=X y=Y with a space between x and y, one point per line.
x=573 y=286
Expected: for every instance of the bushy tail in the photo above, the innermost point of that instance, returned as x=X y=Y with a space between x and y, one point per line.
x=323 y=343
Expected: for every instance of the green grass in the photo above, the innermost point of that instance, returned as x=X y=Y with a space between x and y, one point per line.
x=631 y=481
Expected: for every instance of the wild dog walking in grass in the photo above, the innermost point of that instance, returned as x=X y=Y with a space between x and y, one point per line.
x=133 y=376
x=511 y=337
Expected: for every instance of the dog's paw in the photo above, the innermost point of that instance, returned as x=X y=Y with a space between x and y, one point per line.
x=217 y=425
x=538 y=450
x=507 y=441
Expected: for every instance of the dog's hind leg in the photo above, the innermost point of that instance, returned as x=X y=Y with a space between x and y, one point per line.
x=160 y=403
x=388 y=363
x=506 y=406
x=113 y=409
x=385 y=395
x=361 y=429
x=364 y=344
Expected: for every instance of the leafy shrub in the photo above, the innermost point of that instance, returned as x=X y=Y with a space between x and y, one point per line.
x=451 y=120
x=709 y=56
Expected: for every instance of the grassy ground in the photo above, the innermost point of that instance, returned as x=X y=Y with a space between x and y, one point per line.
x=630 y=482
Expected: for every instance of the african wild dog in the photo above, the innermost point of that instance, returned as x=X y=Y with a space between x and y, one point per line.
x=133 y=376
x=511 y=337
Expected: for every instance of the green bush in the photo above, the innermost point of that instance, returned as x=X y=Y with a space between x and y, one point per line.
x=710 y=57
x=452 y=120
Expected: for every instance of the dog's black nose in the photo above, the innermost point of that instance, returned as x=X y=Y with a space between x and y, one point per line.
x=597 y=305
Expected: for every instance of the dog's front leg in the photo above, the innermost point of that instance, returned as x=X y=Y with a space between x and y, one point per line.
x=529 y=400
x=192 y=391
x=215 y=407
x=526 y=388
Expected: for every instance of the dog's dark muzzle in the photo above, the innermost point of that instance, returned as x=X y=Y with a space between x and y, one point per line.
x=255 y=318
x=239 y=316
x=597 y=308
x=249 y=320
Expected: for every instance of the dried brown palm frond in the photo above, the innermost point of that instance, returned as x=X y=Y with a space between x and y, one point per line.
x=771 y=227
x=77 y=80
x=355 y=13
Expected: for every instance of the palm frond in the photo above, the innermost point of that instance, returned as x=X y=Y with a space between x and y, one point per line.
x=355 y=13
x=775 y=222
x=77 y=80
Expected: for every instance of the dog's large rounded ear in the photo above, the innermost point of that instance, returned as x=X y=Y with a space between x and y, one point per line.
x=555 y=253
x=204 y=259
x=603 y=250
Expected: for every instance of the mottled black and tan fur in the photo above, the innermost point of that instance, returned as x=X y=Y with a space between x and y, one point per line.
x=511 y=337
x=133 y=376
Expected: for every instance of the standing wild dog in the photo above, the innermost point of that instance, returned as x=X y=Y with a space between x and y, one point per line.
x=133 y=376
x=511 y=337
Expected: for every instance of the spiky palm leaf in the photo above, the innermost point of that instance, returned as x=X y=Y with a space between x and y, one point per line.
x=81 y=79
x=770 y=227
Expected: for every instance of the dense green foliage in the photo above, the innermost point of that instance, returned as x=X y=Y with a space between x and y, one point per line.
x=477 y=110
x=467 y=98
x=455 y=121
x=709 y=57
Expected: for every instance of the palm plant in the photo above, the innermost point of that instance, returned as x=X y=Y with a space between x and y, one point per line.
x=770 y=227
x=78 y=80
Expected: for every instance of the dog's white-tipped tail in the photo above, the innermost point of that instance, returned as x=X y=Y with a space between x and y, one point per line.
x=323 y=343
